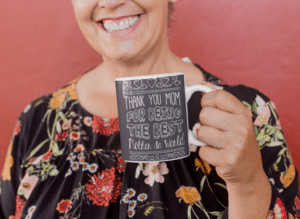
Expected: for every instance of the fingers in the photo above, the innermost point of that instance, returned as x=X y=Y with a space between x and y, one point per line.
x=211 y=155
x=223 y=100
x=216 y=118
x=212 y=136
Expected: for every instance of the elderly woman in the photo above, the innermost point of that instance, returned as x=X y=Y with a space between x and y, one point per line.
x=65 y=158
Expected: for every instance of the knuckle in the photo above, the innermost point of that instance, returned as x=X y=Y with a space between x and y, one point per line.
x=201 y=134
x=222 y=171
x=232 y=159
x=220 y=95
x=203 y=114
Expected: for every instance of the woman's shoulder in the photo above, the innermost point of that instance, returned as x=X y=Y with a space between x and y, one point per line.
x=37 y=111
x=240 y=91
x=48 y=101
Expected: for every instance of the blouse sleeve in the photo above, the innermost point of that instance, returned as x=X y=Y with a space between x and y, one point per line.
x=11 y=203
x=11 y=173
x=277 y=160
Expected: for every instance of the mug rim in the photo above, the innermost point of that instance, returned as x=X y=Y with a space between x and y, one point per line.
x=149 y=76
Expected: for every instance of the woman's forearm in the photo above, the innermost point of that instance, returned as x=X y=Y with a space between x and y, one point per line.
x=251 y=200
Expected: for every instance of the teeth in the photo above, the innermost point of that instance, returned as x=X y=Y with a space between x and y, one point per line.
x=111 y=26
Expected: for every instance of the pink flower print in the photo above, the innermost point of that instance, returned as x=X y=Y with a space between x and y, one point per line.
x=27 y=184
x=155 y=172
x=278 y=124
x=263 y=112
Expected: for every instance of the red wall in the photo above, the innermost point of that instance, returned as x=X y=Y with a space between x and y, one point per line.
x=256 y=43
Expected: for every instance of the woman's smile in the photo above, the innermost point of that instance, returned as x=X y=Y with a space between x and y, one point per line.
x=117 y=24
x=120 y=26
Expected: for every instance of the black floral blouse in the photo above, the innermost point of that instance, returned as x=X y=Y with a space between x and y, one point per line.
x=63 y=162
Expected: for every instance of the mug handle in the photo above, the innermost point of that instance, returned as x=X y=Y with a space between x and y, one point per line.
x=188 y=93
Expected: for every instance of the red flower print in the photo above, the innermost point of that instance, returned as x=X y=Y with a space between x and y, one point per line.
x=296 y=207
x=17 y=128
x=297 y=202
x=121 y=165
x=47 y=156
x=104 y=188
x=105 y=126
x=278 y=211
x=75 y=135
x=61 y=136
x=20 y=204
x=64 y=206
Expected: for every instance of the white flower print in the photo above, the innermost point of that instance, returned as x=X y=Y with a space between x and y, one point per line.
x=82 y=161
x=85 y=166
x=126 y=198
x=272 y=181
x=31 y=209
x=75 y=166
x=132 y=203
x=131 y=212
x=142 y=197
x=71 y=157
x=28 y=216
x=69 y=172
x=131 y=192
x=27 y=108
x=80 y=156
x=93 y=167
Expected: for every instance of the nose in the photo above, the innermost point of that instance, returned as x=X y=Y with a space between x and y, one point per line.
x=111 y=4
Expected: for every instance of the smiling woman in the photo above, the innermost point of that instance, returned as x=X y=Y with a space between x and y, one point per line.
x=65 y=158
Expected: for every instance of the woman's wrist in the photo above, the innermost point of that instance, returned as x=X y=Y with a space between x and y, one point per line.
x=251 y=199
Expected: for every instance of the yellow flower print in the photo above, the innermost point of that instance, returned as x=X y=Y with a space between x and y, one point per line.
x=190 y=195
x=70 y=90
x=291 y=216
x=288 y=177
x=8 y=164
x=60 y=95
x=205 y=167
x=57 y=100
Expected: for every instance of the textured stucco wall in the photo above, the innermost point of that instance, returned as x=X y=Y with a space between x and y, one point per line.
x=255 y=43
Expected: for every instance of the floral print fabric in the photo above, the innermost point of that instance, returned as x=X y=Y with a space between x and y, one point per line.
x=64 y=162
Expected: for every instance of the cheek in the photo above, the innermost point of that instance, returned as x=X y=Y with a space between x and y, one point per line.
x=79 y=4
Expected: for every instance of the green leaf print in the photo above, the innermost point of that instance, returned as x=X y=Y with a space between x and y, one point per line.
x=53 y=172
x=62 y=116
x=279 y=135
x=221 y=185
x=55 y=149
x=202 y=183
x=37 y=148
x=189 y=212
x=274 y=144
x=215 y=213
x=247 y=105
x=148 y=210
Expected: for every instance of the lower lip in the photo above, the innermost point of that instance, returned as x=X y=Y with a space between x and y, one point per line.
x=123 y=33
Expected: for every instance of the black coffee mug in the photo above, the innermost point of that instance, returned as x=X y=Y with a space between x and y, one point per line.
x=153 y=117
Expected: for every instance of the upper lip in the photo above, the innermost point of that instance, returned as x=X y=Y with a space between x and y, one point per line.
x=115 y=18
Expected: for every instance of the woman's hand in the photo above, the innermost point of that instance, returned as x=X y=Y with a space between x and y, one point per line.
x=227 y=129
